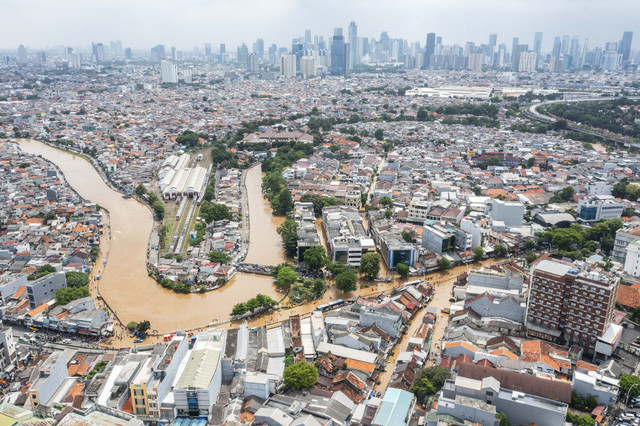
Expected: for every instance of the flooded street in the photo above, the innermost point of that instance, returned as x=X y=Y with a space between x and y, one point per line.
x=125 y=285
x=265 y=244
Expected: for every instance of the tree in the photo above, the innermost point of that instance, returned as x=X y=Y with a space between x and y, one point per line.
x=286 y=277
x=315 y=257
x=429 y=381
x=592 y=402
x=478 y=253
x=217 y=256
x=300 y=376
x=626 y=382
x=238 y=309
x=500 y=250
x=388 y=214
x=567 y=238
x=65 y=295
x=336 y=267
x=386 y=201
x=635 y=315
x=282 y=203
x=140 y=190
x=289 y=235
x=619 y=190
x=370 y=265
x=632 y=192
x=378 y=134
x=444 y=263
x=406 y=235
x=403 y=270
x=629 y=212
x=503 y=418
x=531 y=257
x=77 y=279
x=530 y=244
x=158 y=208
x=421 y=115
x=530 y=162
x=143 y=326
x=132 y=325
x=346 y=280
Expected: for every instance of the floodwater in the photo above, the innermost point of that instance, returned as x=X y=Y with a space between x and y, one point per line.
x=125 y=285
x=265 y=244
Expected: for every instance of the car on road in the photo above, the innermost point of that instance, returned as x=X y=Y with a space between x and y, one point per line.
x=453 y=300
x=66 y=341
x=138 y=340
x=23 y=340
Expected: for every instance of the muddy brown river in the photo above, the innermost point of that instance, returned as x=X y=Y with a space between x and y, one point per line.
x=125 y=284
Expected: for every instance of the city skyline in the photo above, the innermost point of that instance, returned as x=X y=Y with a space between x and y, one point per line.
x=280 y=21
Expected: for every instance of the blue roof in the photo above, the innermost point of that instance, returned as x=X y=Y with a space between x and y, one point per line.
x=394 y=408
x=189 y=422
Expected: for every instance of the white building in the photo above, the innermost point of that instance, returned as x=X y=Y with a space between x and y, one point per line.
x=308 y=66
x=51 y=374
x=199 y=384
x=7 y=350
x=169 y=71
x=632 y=261
x=511 y=213
x=598 y=188
x=592 y=383
x=599 y=207
x=288 y=65
x=527 y=62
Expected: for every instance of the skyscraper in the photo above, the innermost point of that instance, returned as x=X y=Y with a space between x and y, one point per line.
x=353 y=44
x=307 y=39
x=259 y=48
x=297 y=48
x=128 y=54
x=207 y=49
x=429 y=49
x=338 y=53
x=252 y=62
x=22 y=54
x=288 y=65
x=625 y=45
x=308 y=66
x=557 y=48
x=493 y=40
x=515 y=56
x=169 y=71
x=514 y=46
x=537 y=44
x=242 y=53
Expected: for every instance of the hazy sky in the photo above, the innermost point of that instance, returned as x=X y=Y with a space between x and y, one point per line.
x=187 y=23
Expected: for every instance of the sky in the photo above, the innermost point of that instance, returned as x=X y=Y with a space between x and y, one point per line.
x=189 y=23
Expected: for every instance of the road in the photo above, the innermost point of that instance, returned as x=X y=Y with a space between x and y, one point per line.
x=443 y=287
x=532 y=113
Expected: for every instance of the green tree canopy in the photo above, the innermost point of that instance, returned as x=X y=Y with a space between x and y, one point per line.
x=288 y=233
x=65 y=295
x=315 y=257
x=406 y=235
x=478 y=253
x=370 y=265
x=282 y=203
x=286 y=277
x=444 y=263
x=500 y=250
x=430 y=380
x=219 y=257
x=301 y=375
x=346 y=280
x=403 y=270
x=77 y=279
x=378 y=134
x=140 y=190
x=626 y=383
x=386 y=201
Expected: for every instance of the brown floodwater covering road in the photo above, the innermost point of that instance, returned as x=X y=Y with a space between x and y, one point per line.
x=265 y=244
x=125 y=284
